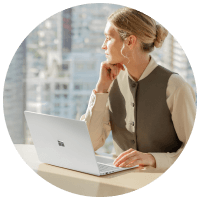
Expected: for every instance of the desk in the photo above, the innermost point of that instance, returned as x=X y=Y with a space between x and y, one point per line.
x=85 y=184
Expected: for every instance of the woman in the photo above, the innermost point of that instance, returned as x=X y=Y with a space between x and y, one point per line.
x=149 y=109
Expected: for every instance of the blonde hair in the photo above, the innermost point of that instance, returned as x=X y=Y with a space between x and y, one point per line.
x=129 y=21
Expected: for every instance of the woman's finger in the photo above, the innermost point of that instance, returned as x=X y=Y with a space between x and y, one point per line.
x=122 y=154
x=128 y=161
x=113 y=76
x=119 y=65
x=114 y=71
x=136 y=162
x=110 y=74
x=125 y=157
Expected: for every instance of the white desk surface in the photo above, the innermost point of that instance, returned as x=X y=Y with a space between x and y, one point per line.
x=86 y=184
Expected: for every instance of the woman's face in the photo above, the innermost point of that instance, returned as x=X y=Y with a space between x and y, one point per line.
x=112 y=45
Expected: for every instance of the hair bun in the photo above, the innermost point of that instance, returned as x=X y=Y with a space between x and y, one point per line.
x=161 y=34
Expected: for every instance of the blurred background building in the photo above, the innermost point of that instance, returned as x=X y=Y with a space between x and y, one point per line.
x=57 y=66
x=14 y=98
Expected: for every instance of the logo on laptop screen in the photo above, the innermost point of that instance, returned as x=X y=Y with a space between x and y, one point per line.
x=60 y=143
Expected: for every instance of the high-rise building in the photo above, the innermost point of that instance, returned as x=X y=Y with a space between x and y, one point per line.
x=66 y=30
x=14 y=97
x=64 y=55
x=88 y=24
x=172 y=57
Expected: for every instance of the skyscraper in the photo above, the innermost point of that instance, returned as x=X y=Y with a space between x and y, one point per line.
x=14 y=97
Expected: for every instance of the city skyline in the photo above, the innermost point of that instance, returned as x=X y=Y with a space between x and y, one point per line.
x=60 y=73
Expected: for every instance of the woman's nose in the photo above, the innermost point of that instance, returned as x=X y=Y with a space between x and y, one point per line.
x=104 y=46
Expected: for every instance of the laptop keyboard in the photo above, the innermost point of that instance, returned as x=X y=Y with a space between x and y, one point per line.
x=106 y=168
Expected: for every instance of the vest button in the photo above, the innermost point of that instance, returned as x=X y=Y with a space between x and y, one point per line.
x=133 y=123
x=134 y=84
x=133 y=104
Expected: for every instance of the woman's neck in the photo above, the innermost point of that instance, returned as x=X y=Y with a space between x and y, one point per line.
x=137 y=64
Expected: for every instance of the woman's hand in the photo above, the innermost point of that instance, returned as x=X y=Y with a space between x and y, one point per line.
x=132 y=157
x=108 y=73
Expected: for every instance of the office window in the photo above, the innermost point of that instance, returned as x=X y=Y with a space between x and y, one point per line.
x=48 y=81
x=78 y=86
x=65 y=96
x=66 y=105
x=79 y=65
x=57 y=96
x=47 y=87
x=65 y=86
x=47 y=97
x=90 y=66
x=57 y=105
x=65 y=67
x=57 y=86
x=76 y=97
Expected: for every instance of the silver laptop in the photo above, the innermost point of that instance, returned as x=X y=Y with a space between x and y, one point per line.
x=66 y=143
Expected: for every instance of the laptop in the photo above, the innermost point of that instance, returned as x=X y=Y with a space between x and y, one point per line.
x=66 y=143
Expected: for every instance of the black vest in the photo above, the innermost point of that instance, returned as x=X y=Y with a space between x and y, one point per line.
x=139 y=115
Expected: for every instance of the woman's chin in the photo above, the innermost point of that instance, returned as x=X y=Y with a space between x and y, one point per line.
x=108 y=59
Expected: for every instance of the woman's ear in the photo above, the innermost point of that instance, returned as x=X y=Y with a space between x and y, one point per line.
x=131 y=41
